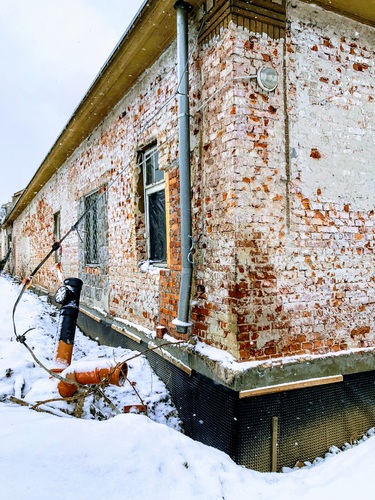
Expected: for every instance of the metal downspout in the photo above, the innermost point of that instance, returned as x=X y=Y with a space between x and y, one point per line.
x=182 y=320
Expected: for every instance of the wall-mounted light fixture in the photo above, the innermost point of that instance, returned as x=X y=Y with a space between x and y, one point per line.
x=267 y=78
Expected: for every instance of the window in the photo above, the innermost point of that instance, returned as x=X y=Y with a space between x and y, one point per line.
x=154 y=200
x=57 y=234
x=91 y=222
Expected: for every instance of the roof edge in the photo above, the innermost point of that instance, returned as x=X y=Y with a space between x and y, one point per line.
x=119 y=73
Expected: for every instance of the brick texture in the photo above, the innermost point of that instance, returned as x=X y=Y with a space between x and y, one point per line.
x=283 y=193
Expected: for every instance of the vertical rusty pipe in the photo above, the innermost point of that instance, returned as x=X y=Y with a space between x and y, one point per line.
x=68 y=320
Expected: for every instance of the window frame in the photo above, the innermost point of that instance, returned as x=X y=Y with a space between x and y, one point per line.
x=155 y=186
x=91 y=242
x=57 y=234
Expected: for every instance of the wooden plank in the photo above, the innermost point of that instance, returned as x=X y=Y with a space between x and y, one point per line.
x=290 y=386
x=215 y=17
x=264 y=4
x=90 y=315
x=168 y=357
x=275 y=429
x=260 y=18
x=252 y=10
x=265 y=17
x=167 y=217
x=128 y=334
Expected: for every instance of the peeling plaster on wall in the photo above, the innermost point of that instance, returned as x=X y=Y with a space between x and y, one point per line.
x=260 y=290
x=332 y=72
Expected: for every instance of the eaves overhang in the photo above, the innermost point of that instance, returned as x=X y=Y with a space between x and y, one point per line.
x=150 y=33
x=359 y=10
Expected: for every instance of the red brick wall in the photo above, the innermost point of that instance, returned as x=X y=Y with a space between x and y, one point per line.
x=286 y=261
x=241 y=195
x=282 y=194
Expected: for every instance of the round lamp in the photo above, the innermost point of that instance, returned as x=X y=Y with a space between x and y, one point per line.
x=267 y=78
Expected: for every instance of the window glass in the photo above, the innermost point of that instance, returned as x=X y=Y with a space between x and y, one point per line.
x=151 y=161
x=149 y=171
x=158 y=240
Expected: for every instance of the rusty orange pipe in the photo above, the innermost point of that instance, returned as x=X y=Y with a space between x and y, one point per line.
x=63 y=356
x=89 y=374
x=68 y=296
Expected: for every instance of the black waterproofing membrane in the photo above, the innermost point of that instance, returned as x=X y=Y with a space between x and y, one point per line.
x=309 y=420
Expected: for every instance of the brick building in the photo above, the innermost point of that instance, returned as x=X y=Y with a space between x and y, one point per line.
x=250 y=237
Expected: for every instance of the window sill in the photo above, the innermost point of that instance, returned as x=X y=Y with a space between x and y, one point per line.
x=150 y=266
x=92 y=269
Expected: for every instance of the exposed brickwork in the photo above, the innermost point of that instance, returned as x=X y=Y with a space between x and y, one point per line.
x=331 y=75
x=241 y=209
x=283 y=204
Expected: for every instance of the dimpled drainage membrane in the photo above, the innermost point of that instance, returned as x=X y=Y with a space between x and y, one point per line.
x=308 y=421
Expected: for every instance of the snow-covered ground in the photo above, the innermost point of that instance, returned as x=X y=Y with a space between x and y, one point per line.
x=107 y=453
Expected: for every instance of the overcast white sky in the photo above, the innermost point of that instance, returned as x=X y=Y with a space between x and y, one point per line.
x=50 y=53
